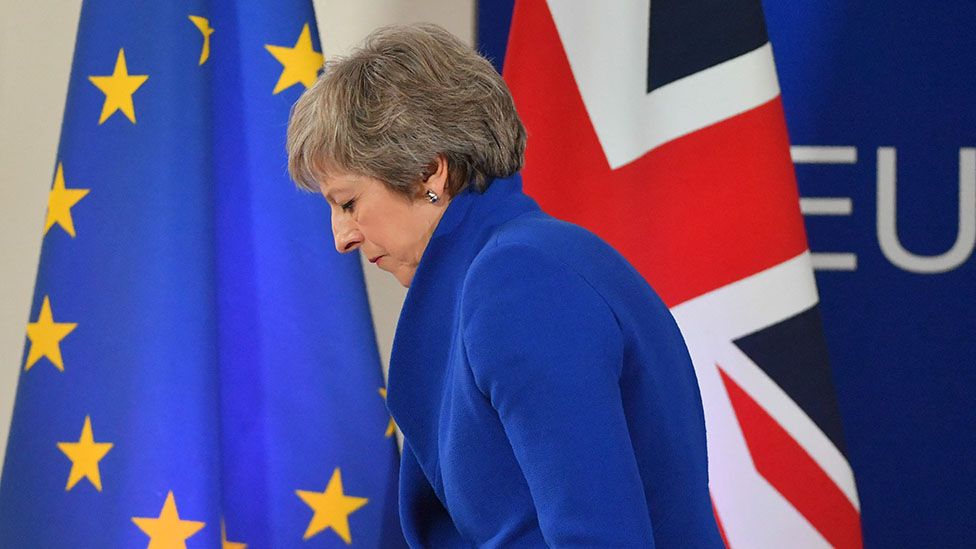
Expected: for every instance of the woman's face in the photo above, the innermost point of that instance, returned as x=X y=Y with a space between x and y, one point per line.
x=391 y=230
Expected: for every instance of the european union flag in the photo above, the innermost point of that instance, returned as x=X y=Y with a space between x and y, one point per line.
x=200 y=366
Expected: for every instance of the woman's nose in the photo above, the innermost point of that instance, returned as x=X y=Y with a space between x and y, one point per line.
x=347 y=236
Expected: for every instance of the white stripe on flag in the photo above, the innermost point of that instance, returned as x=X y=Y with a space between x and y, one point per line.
x=712 y=321
x=606 y=43
x=753 y=513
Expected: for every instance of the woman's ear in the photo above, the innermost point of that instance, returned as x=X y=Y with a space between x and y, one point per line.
x=435 y=177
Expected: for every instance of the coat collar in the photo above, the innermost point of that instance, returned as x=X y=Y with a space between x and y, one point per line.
x=419 y=362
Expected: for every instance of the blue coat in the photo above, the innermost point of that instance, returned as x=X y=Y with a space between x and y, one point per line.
x=544 y=391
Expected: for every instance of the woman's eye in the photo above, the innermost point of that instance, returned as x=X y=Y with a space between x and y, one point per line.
x=347 y=206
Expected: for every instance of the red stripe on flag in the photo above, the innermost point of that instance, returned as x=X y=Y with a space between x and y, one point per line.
x=718 y=521
x=692 y=215
x=793 y=473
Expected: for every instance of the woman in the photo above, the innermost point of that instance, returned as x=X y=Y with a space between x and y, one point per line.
x=544 y=392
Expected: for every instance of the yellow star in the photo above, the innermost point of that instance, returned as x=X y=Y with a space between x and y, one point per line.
x=332 y=508
x=118 y=89
x=391 y=426
x=224 y=544
x=85 y=455
x=59 y=203
x=204 y=25
x=168 y=531
x=301 y=63
x=45 y=336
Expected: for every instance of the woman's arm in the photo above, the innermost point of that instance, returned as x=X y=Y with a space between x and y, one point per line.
x=546 y=350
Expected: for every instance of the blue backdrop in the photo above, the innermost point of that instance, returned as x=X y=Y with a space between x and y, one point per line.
x=886 y=89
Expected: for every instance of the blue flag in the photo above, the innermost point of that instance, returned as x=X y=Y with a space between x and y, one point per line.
x=200 y=365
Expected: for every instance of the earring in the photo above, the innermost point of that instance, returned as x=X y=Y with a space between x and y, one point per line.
x=432 y=197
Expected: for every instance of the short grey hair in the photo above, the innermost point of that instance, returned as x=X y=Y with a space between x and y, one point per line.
x=408 y=95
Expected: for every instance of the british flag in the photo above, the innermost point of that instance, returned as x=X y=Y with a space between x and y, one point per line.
x=659 y=126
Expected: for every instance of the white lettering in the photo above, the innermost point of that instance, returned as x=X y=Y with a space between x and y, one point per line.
x=834 y=261
x=887 y=217
x=831 y=261
x=823 y=155
x=826 y=206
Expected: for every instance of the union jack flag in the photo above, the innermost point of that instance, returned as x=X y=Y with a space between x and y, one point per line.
x=659 y=126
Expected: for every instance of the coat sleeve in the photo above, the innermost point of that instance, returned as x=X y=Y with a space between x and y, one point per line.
x=546 y=350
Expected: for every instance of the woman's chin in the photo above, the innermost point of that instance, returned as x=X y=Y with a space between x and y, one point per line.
x=404 y=280
x=404 y=276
